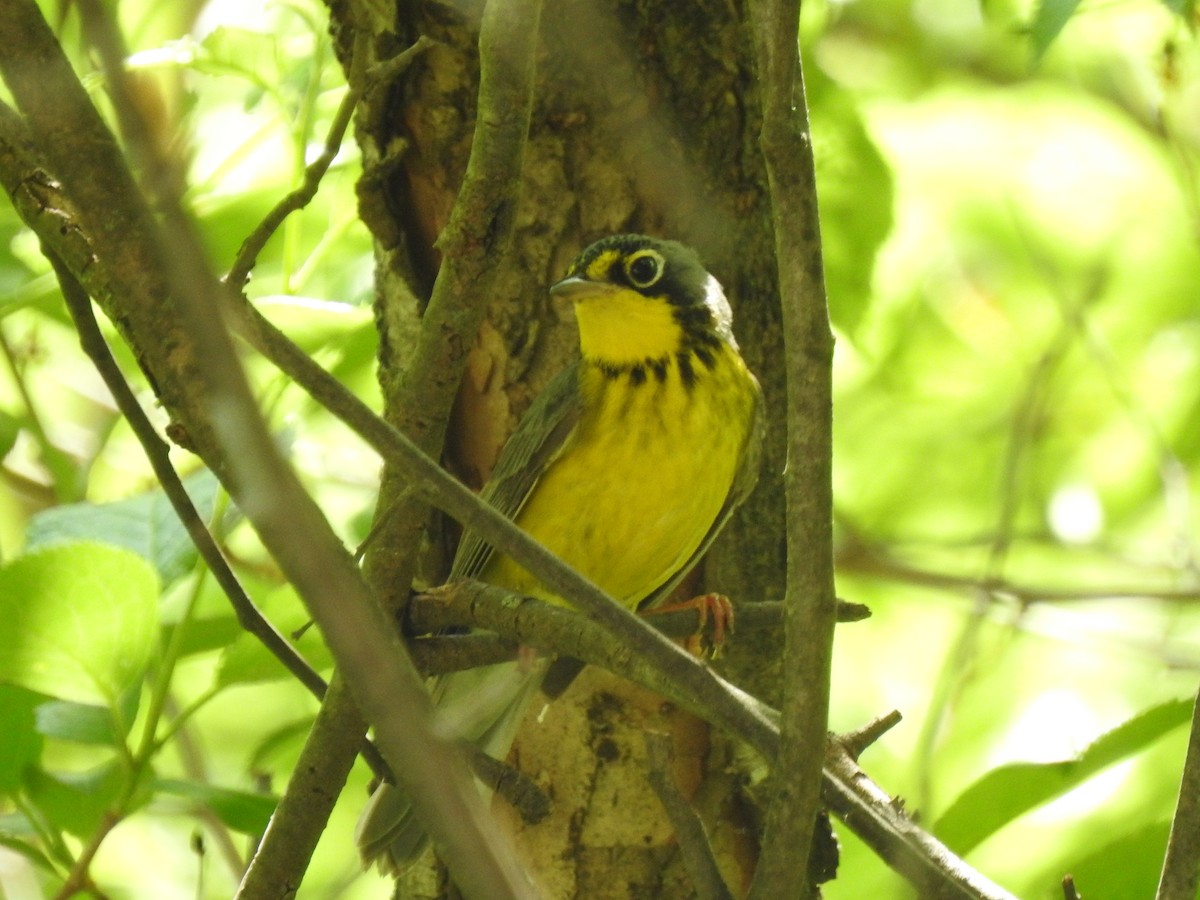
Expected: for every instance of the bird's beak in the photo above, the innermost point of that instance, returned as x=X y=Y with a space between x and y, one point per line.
x=576 y=287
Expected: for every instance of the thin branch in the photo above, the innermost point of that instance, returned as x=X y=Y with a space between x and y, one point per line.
x=860 y=557
x=297 y=199
x=475 y=248
x=192 y=759
x=1180 y=877
x=786 y=145
x=57 y=462
x=522 y=793
x=957 y=668
x=321 y=770
x=78 y=879
x=857 y=741
x=441 y=654
x=690 y=833
x=314 y=173
x=881 y=822
x=96 y=348
x=424 y=615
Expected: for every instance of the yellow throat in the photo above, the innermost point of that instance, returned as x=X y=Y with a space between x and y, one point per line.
x=667 y=407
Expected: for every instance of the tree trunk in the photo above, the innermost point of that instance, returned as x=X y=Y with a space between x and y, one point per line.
x=646 y=119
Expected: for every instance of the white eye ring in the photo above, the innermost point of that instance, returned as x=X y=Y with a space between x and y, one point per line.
x=644 y=268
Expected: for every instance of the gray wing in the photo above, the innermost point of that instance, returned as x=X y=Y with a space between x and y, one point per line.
x=743 y=483
x=539 y=437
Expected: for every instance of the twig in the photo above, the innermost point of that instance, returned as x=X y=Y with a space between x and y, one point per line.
x=78 y=879
x=1070 y=893
x=315 y=171
x=531 y=803
x=452 y=653
x=297 y=199
x=690 y=833
x=332 y=739
x=192 y=759
x=855 y=742
x=426 y=615
x=1181 y=868
x=785 y=142
x=880 y=821
x=861 y=557
x=94 y=345
x=957 y=666
x=474 y=247
x=100 y=28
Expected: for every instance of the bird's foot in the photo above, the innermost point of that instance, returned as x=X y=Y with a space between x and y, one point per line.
x=714 y=606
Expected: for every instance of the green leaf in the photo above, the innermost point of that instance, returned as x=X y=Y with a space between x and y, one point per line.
x=77 y=801
x=1012 y=790
x=246 y=660
x=10 y=427
x=145 y=524
x=79 y=621
x=21 y=745
x=1048 y=20
x=1127 y=866
x=1184 y=9
x=83 y=723
x=26 y=849
x=855 y=186
x=281 y=744
x=242 y=811
x=246 y=53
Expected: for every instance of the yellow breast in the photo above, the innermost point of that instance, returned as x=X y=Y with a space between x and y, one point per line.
x=634 y=491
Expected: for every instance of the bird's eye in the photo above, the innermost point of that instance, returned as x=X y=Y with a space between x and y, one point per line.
x=644 y=268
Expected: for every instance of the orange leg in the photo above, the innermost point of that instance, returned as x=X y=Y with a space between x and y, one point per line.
x=715 y=605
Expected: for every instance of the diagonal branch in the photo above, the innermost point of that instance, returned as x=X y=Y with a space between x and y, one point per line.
x=694 y=846
x=315 y=171
x=249 y=617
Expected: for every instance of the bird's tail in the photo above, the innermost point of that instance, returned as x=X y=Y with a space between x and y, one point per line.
x=483 y=706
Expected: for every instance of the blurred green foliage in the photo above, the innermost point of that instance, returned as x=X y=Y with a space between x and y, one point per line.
x=1011 y=213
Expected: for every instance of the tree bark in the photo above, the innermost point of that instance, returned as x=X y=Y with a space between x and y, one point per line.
x=646 y=119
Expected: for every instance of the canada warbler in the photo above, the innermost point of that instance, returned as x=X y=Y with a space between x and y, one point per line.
x=626 y=467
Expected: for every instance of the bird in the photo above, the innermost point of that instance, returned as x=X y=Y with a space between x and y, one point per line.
x=626 y=466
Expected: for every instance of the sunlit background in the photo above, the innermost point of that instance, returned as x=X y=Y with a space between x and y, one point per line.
x=1012 y=223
